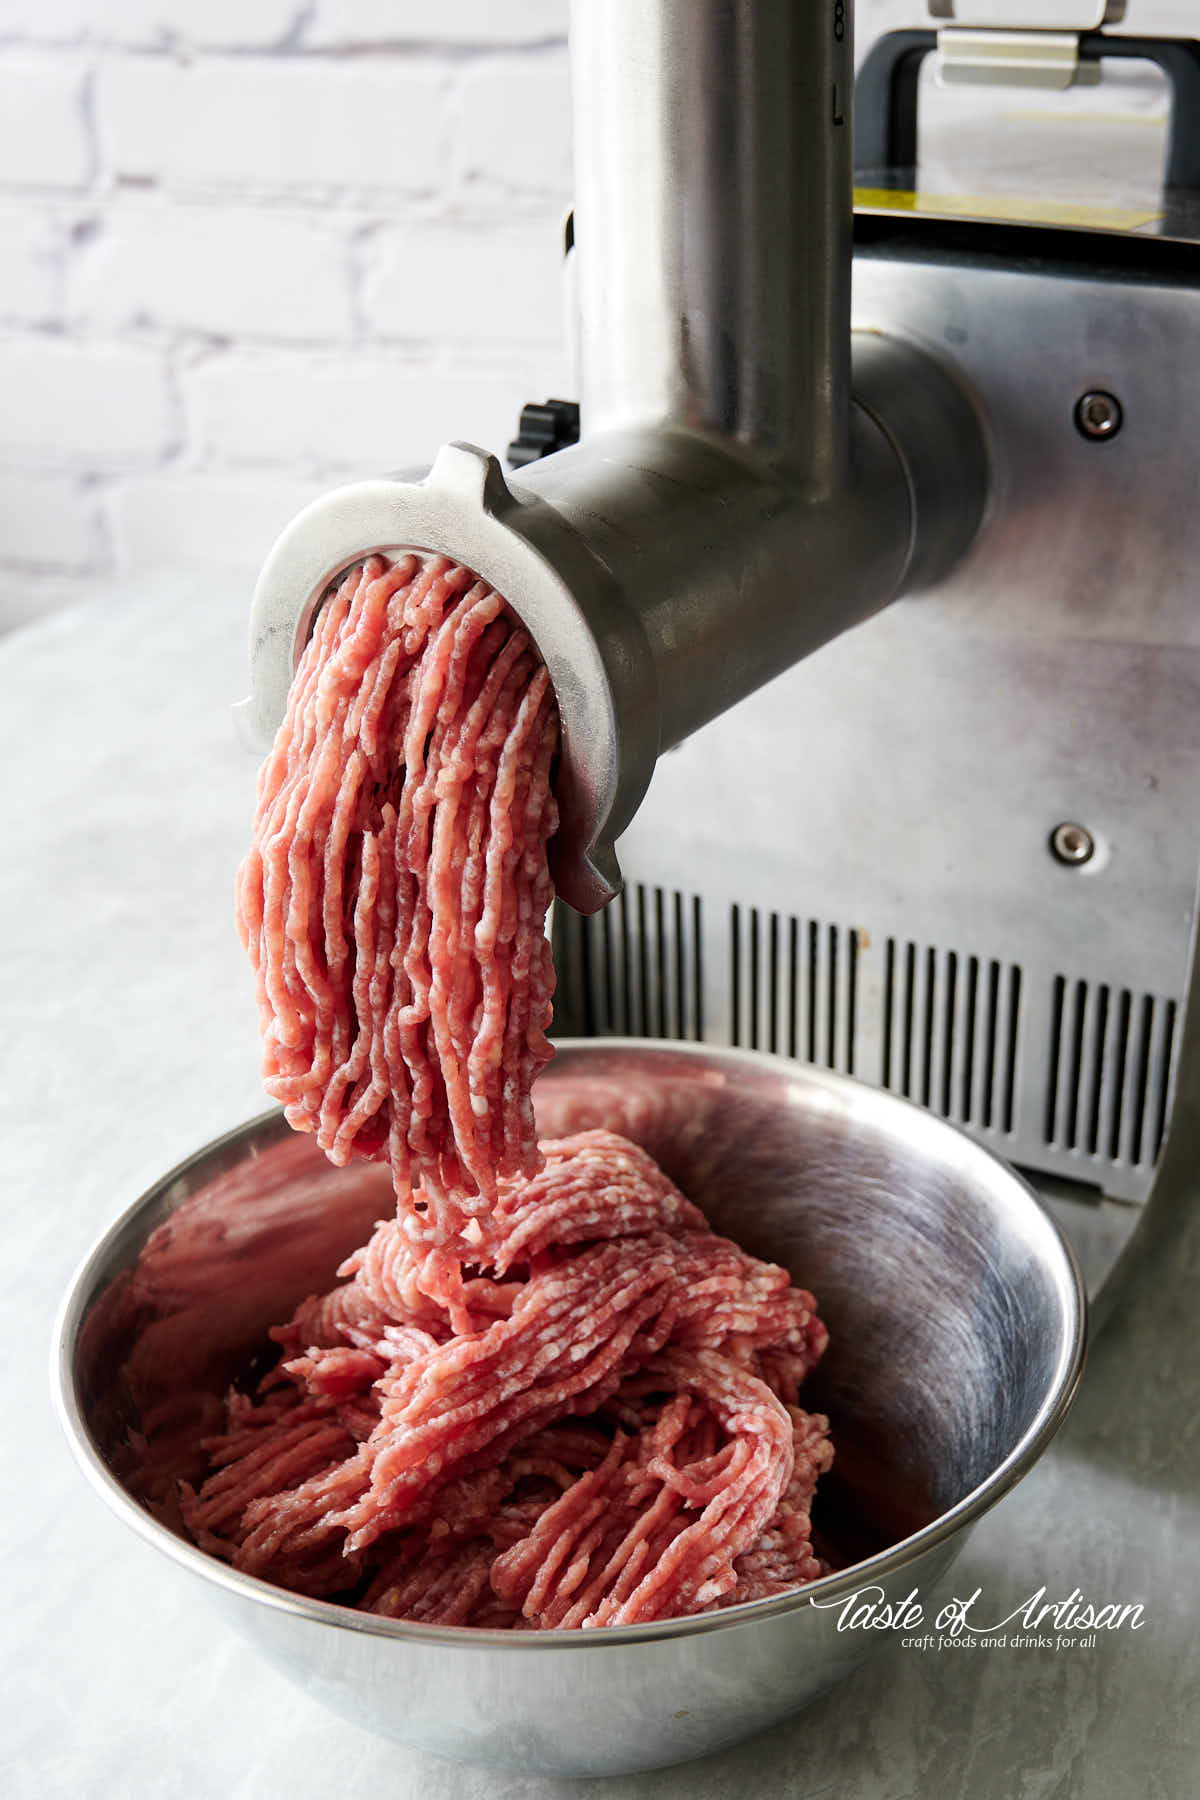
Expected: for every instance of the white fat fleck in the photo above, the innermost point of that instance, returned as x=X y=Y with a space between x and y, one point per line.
x=479 y=1105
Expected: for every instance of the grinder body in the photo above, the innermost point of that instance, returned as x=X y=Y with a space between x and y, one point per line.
x=865 y=864
x=739 y=496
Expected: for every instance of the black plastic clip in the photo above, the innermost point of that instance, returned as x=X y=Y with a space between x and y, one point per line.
x=544 y=429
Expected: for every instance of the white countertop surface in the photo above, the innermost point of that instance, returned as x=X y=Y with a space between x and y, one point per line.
x=130 y=1039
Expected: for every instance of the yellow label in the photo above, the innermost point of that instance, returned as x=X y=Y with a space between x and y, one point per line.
x=1007 y=208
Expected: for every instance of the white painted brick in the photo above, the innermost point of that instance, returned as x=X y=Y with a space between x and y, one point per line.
x=27 y=597
x=873 y=17
x=229 y=24
x=349 y=23
x=218 y=521
x=43 y=133
x=147 y=24
x=28 y=272
x=69 y=402
x=515 y=124
x=46 y=21
x=284 y=124
x=47 y=522
x=442 y=282
x=360 y=414
x=228 y=273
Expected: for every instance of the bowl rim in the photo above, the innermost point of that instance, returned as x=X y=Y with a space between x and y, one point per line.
x=83 y=1289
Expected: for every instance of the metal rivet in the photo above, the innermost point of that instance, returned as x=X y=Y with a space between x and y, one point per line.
x=1072 y=843
x=1098 y=415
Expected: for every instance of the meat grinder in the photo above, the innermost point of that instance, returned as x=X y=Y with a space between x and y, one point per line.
x=865 y=591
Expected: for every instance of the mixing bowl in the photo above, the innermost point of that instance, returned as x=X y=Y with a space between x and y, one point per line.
x=956 y=1319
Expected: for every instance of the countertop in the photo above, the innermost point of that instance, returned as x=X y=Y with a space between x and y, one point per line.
x=130 y=1039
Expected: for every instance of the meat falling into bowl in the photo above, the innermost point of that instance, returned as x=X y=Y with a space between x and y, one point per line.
x=956 y=1330
x=544 y=1394
x=601 y=1440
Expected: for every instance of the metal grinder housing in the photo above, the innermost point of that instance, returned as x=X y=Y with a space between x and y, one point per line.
x=955 y=853
x=741 y=493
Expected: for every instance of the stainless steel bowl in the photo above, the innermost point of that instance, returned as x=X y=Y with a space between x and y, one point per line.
x=956 y=1318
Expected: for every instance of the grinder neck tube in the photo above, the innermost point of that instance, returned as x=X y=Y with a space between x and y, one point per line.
x=713 y=209
x=729 y=508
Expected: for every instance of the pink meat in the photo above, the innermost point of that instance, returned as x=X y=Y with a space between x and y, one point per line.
x=545 y=1393
x=607 y=1435
x=394 y=898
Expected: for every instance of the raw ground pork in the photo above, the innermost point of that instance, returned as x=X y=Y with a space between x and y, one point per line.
x=394 y=898
x=546 y=1393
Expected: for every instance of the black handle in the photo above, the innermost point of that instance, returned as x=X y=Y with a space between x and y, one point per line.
x=544 y=429
x=885 y=101
x=885 y=97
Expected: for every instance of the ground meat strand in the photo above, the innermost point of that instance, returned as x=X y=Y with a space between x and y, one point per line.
x=545 y=1393
x=394 y=897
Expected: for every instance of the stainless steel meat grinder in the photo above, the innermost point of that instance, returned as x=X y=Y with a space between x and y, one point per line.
x=955 y=853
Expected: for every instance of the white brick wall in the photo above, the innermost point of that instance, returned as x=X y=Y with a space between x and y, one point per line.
x=343 y=23
x=29 y=267
x=274 y=125
x=250 y=247
x=498 y=284
x=334 y=413
x=50 y=521
x=83 y=405
x=221 y=271
x=44 y=138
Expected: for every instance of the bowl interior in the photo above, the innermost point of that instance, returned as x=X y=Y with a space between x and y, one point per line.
x=953 y=1308
x=952 y=1304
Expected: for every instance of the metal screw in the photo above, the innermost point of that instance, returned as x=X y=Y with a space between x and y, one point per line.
x=1072 y=844
x=1098 y=415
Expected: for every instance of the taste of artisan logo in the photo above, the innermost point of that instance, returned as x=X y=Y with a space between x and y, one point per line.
x=1036 y=1623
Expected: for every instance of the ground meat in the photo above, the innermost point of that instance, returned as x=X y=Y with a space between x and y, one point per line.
x=394 y=898
x=545 y=1394
x=604 y=1431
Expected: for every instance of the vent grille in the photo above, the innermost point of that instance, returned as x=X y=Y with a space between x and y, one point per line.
x=951 y=1033
x=1071 y=1076
x=1109 y=1071
x=793 y=986
x=635 y=969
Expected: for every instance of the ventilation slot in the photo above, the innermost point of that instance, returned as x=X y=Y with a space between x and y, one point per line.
x=793 y=986
x=1110 y=1067
x=632 y=970
x=951 y=1033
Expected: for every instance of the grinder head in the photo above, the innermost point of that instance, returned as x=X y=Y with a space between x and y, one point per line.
x=465 y=510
